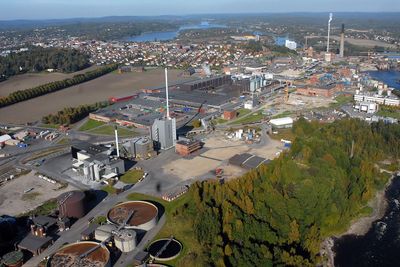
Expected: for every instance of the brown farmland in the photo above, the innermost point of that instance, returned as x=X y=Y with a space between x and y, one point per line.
x=29 y=80
x=100 y=89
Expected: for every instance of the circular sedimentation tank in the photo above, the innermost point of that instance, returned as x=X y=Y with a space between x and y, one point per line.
x=144 y=215
x=72 y=204
x=13 y=259
x=170 y=252
x=68 y=256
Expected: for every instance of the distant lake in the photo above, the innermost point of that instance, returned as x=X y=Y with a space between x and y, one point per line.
x=170 y=35
x=391 y=78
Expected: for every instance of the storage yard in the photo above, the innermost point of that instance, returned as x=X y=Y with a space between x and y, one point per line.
x=13 y=200
x=216 y=152
x=100 y=89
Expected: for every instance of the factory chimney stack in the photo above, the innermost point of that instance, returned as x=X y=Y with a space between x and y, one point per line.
x=341 y=53
x=329 y=31
x=116 y=141
x=166 y=92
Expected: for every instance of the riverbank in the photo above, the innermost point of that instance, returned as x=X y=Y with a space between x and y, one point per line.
x=359 y=226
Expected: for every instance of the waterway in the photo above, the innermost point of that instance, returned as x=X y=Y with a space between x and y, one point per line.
x=380 y=247
x=170 y=35
x=391 y=78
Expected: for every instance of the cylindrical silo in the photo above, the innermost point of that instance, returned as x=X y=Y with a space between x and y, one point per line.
x=125 y=240
x=72 y=204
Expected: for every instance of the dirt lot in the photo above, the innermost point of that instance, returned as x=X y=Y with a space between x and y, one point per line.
x=219 y=150
x=100 y=89
x=13 y=201
x=29 y=80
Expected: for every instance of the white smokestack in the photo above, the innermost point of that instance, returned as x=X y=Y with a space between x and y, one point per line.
x=116 y=141
x=329 y=30
x=166 y=92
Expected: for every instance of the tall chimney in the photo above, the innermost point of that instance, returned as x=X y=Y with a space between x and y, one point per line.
x=341 y=53
x=329 y=31
x=116 y=141
x=166 y=92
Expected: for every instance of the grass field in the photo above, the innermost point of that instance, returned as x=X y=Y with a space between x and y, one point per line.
x=389 y=112
x=286 y=134
x=178 y=227
x=341 y=100
x=250 y=118
x=282 y=115
x=99 y=89
x=109 y=189
x=132 y=176
x=90 y=124
x=44 y=209
x=109 y=130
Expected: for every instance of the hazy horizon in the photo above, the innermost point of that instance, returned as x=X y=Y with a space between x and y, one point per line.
x=64 y=9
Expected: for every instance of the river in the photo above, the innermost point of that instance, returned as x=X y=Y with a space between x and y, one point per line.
x=380 y=246
x=391 y=78
x=170 y=35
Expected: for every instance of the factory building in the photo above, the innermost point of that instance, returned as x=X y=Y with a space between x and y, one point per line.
x=96 y=162
x=140 y=148
x=187 y=147
x=207 y=84
x=389 y=99
x=367 y=107
x=163 y=133
x=319 y=90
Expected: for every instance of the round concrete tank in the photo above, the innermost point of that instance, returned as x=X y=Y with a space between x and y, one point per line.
x=125 y=240
x=72 y=204
x=104 y=232
x=13 y=259
x=144 y=215
x=165 y=249
x=69 y=255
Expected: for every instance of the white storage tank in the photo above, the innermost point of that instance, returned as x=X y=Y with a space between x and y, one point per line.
x=125 y=240
x=104 y=232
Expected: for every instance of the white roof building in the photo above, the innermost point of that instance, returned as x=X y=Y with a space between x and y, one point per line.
x=4 y=138
x=285 y=122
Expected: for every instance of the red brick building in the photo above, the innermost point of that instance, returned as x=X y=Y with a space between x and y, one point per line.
x=230 y=114
x=185 y=148
x=319 y=90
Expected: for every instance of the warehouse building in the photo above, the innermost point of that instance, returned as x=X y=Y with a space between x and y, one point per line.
x=207 y=84
x=281 y=123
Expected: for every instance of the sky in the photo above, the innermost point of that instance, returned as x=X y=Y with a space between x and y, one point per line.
x=53 y=9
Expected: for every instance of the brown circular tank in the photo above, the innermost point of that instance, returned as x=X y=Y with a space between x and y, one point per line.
x=72 y=205
x=68 y=255
x=13 y=259
x=144 y=214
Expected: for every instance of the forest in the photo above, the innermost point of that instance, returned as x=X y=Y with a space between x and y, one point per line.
x=38 y=59
x=73 y=114
x=22 y=95
x=279 y=214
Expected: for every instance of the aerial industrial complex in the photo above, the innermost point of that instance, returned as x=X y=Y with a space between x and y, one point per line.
x=88 y=193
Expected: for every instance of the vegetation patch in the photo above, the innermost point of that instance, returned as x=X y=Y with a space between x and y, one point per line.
x=44 y=209
x=278 y=214
x=387 y=111
x=111 y=190
x=132 y=176
x=109 y=130
x=90 y=124
x=30 y=196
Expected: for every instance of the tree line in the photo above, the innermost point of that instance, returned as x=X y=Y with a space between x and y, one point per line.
x=73 y=114
x=278 y=214
x=22 y=95
x=38 y=59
